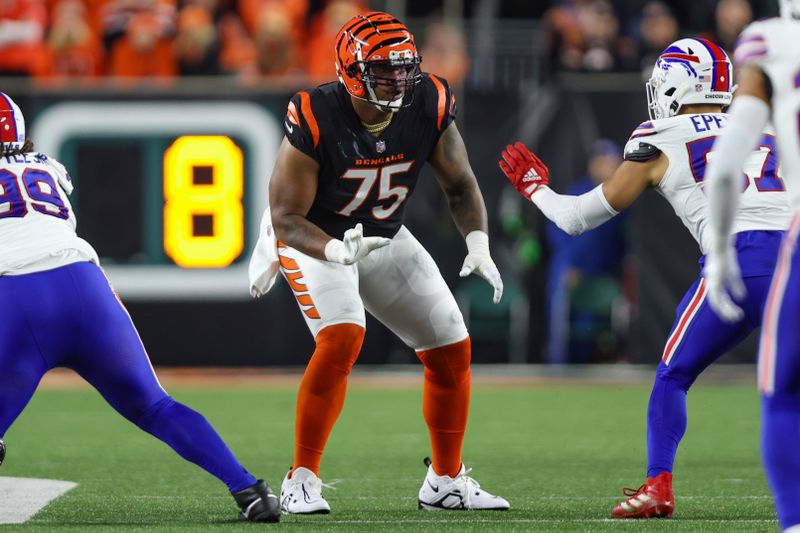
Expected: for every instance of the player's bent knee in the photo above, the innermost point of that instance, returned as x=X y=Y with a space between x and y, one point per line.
x=145 y=417
x=340 y=344
x=448 y=365
x=674 y=374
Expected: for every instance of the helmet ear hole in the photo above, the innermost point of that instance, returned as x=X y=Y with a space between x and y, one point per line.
x=670 y=91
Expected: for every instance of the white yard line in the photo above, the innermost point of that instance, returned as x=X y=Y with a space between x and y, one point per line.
x=500 y=522
x=24 y=497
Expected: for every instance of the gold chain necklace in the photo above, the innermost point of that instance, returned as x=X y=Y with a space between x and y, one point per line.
x=380 y=126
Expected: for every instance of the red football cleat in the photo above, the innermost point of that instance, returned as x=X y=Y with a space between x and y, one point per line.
x=654 y=499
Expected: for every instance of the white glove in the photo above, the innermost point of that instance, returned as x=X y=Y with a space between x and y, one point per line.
x=722 y=273
x=479 y=261
x=353 y=247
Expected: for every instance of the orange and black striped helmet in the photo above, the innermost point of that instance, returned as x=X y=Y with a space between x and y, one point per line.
x=375 y=50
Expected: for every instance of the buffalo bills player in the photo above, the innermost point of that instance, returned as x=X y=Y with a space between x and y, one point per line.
x=58 y=309
x=690 y=84
x=349 y=163
x=769 y=59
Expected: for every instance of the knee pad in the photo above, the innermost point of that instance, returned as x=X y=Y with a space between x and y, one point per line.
x=447 y=366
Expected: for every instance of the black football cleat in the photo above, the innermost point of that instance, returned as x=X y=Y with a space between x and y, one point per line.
x=2 y=451
x=258 y=503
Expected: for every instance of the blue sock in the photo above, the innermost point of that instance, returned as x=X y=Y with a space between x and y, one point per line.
x=666 y=423
x=192 y=437
x=780 y=442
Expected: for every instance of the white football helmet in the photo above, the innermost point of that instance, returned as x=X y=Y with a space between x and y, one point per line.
x=790 y=9
x=12 y=123
x=689 y=71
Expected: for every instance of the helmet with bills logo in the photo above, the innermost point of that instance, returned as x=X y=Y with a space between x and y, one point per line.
x=377 y=49
x=12 y=123
x=689 y=71
x=790 y=9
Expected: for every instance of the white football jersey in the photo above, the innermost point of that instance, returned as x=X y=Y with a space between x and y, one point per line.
x=37 y=224
x=687 y=140
x=773 y=46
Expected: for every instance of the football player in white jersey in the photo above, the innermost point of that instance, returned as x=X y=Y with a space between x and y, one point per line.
x=768 y=56
x=57 y=309
x=690 y=85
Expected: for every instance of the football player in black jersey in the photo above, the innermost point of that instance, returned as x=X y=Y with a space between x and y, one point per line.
x=350 y=160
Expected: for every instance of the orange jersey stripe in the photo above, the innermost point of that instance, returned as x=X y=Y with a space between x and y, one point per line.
x=288 y=263
x=442 y=100
x=305 y=108
x=305 y=299
x=311 y=312
x=292 y=278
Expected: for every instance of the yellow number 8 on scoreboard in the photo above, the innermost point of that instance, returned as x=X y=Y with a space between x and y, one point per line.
x=203 y=213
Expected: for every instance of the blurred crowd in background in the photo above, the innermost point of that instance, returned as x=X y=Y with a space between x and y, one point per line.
x=608 y=35
x=253 y=39
x=162 y=39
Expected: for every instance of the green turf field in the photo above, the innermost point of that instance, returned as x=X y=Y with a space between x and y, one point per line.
x=560 y=454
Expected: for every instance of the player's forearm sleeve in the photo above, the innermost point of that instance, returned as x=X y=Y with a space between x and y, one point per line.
x=574 y=214
x=748 y=116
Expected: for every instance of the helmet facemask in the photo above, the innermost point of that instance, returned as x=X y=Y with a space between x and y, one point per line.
x=398 y=74
x=664 y=94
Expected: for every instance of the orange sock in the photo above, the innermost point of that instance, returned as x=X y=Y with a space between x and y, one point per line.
x=445 y=403
x=322 y=391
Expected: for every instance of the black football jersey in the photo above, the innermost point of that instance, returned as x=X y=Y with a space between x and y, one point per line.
x=363 y=178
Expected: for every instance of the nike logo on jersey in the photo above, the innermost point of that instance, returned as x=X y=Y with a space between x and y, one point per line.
x=435 y=489
x=289 y=128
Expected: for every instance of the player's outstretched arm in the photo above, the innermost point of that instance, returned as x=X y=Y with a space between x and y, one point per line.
x=577 y=214
x=451 y=165
x=749 y=114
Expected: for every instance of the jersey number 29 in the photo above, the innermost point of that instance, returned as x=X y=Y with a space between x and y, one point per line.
x=42 y=194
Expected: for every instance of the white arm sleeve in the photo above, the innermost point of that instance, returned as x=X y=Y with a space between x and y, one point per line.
x=574 y=214
x=748 y=116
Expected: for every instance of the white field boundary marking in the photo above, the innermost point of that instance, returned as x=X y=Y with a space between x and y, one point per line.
x=501 y=522
x=23 y=497
x=526 y=498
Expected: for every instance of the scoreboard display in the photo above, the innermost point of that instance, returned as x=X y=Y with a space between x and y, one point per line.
x=169 y=193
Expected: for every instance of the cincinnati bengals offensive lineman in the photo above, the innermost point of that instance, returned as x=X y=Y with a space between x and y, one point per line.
x=348 y=165
x=691 y=82
x=57 y=309
x=769 y=59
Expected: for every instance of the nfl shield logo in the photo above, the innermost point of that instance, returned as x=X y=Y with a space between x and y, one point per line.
x=380 y=146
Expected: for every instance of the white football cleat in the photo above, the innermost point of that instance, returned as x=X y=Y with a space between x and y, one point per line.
x=440 y=493
x=302 y=493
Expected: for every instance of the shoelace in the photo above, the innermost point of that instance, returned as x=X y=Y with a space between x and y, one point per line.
x=464 y=483
x=627 y=491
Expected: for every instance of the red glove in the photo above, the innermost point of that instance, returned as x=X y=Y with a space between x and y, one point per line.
x=525 y=171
